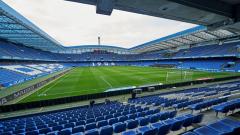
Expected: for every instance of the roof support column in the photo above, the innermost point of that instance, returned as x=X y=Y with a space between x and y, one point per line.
x=237 y=13
x=105 y=7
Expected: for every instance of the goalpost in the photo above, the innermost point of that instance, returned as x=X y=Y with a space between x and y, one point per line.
x=178 y=76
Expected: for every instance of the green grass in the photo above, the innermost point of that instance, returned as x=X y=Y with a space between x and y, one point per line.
x=88 y=80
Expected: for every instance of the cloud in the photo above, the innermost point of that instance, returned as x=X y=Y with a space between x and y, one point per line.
x=77 y=24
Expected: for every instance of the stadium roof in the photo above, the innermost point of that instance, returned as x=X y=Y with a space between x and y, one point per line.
x=190 y=36
x=15 y=28
x=211 y=13
x=86 y=48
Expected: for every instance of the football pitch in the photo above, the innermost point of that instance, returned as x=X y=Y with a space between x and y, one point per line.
x=89 y=80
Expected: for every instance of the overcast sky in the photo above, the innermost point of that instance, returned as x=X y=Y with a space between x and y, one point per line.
x=77 y=24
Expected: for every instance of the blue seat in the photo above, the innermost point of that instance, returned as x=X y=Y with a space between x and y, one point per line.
x=100 y=118
x=102 y=123
x=125 y=112
x=89 y=116
x=35 y=132
x=81 y=122
x=233 y=123
x=195 y=106
x=175 y=124
x=162 y=128
x=108 y=116
x=131 y=124
x=223 y=128
x=189 y=133
x=41 y=126
x=122 y=118
x=78 y=129
x=69 y=125
x=149 y=112
x=106 y=113
x=143 y=121
x=116 y=114
x=52 y=133
x=79 y=133
x=112 y=121
x=172 y=114
x=131 y=116
x=206 y=131
x=154 y=118
x=146 y=130
x=198 y=118
x=119 y=127
x=18 y=131
x=90 y=126
x=31 y=128
x=66 y=131
x=7 y=133
x=131 y=132
x=133 y=111
x=106 y=130
x=113 y=111
x=90 y=120
x=57 y=128
x=140 y=114
x=92 y=132
x=62 y=122
x=156 y=111
x=187 y=121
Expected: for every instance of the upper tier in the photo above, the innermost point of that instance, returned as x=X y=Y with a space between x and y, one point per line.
x=18 y=52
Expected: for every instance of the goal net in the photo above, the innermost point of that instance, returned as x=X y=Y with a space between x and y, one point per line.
x=179 y=76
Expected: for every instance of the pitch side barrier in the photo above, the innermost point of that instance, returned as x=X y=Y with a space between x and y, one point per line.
x=24 y=91
x=57 y=101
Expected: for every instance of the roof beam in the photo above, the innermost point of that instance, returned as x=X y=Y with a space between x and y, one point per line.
x=178 y=41
x=198 y=36
x=18 y=32
x=168 y=44
x=19 y=35
x=173 y=42
x=213 y=6
x=205 y=32
x=212 y=33
x=182 y=40
x=27 y=38
x=12 y=29
x=188 y=39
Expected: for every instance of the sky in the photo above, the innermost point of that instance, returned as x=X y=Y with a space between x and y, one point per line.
x=74 y=24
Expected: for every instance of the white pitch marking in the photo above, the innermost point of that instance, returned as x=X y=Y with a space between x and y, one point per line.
x=106 y=81
x=57 y=81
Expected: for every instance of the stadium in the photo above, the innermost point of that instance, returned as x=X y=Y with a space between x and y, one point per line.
x=183 y=83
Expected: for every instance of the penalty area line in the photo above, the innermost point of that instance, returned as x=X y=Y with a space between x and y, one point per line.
x=55 y=83
x=109 y=84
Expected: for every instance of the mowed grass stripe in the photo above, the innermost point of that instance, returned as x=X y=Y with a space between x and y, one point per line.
x=149 y=76
x=126 y=78
x=88 y=80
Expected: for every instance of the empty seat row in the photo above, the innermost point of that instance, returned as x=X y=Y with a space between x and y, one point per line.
x=130 y=121
x=221 y=127
x=173 y=101
x=187 y=103
x=207 y=103
x=227 y=106
x=193 y=93
x=163 y=127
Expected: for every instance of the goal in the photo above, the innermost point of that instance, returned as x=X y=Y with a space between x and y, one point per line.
x=179 y=76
